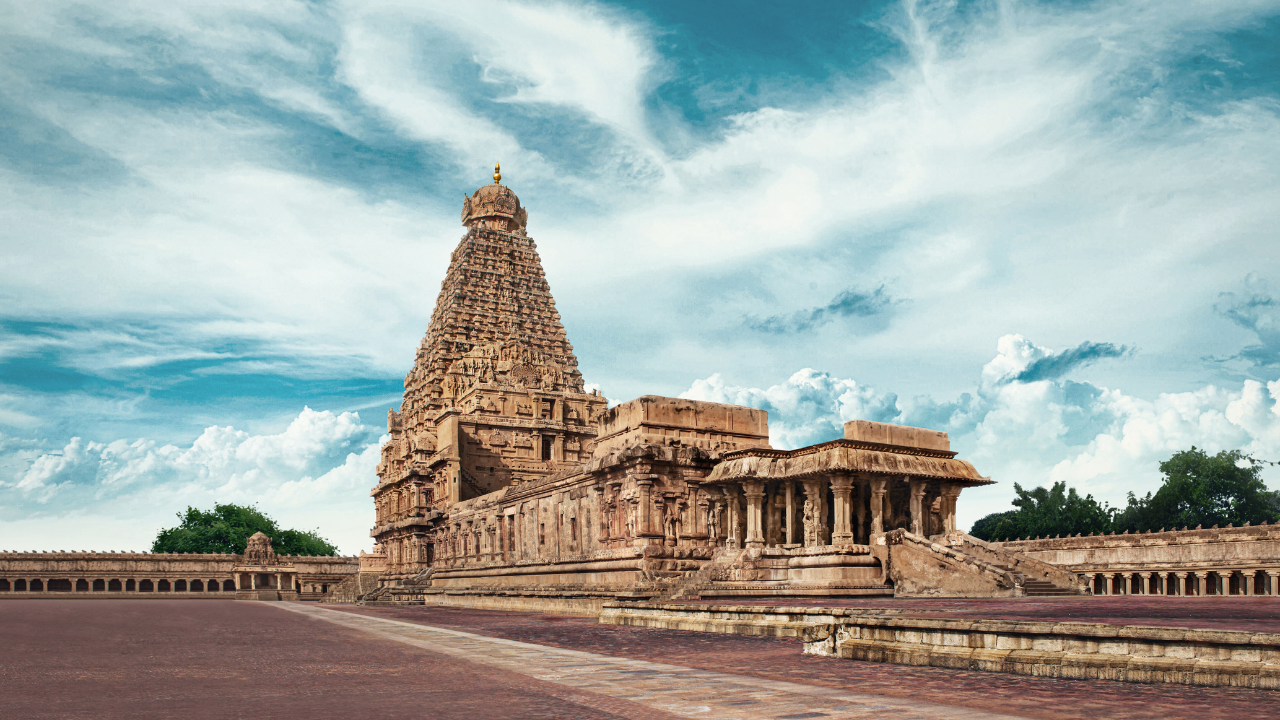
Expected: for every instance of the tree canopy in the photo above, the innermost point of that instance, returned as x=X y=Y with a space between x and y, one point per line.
x=1045 y=512
x=1198 y=490
x=1206 y=490
x=226 y=528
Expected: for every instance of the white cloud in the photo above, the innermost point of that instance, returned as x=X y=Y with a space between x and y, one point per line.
x=1101 y=441
x=314 y=474
x=809 y=407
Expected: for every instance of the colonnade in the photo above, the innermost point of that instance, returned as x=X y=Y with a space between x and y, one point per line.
x=87 y=585
x=838 y=508
x=1225 y=581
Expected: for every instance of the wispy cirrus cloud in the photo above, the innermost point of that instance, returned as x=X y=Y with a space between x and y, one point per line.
x=849 y=303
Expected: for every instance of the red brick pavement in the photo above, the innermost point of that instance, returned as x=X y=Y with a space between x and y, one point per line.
x=781 y=659
x=195 y=659
x=1249 y=614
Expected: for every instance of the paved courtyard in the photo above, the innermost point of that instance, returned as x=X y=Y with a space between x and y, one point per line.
x=225 y=659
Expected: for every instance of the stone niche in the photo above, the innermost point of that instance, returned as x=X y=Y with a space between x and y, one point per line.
x=655 y=420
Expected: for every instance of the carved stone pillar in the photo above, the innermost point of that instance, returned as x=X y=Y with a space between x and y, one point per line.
x=814 y=518
x=1088 y=581
x=841 y=485
x=1182 y=583
x=1108 y=582
x=877 y=507
x=754 y=490
x=860 y=506
x=791 y=511
x=733 y=539
x=1247 y=578
x=644 y=485
x=703 y=507
x=1273 y=582
x=1146 y=583
x=1126 y=580
x=917 y=506
x=1202 y=587
x=950 y=493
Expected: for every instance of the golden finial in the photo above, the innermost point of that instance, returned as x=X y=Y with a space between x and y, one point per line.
x=497 y=173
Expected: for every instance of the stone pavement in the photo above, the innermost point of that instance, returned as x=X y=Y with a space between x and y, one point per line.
x=771 y=658
x=669 y=689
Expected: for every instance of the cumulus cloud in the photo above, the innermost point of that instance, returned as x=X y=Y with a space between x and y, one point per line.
x=810 y=407
x=314 y=473
x=1031 y=431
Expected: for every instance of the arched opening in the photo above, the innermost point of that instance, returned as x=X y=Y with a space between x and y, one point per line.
x=197 y=586
x=82 y=585
x=114 y=586
x=179 y=585
x=146 y=586
x=4 y=585
x=131 y=586
x=37 y=586
x=19 y=585
x=163 y=586
x=228 y=586
x=324 y=588
x=99 y=585
x=213 y=585
x=59 y=585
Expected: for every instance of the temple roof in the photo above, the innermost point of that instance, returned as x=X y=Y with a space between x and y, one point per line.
x=845 y=456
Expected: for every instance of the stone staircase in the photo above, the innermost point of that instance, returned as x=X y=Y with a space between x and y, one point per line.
x=1037 y=578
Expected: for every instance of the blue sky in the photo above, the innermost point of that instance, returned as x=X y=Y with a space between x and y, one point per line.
x=1049 y=229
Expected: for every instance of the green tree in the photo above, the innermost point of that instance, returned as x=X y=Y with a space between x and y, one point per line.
x=1205 y=490
x=226 y=528
x=1046 y=512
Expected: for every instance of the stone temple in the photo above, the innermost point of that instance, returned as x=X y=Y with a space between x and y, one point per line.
x=504 y=476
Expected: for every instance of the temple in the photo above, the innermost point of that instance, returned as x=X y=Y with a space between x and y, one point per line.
x=503 y=476
x=507 y=484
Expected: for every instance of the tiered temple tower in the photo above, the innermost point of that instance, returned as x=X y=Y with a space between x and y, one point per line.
x=494 y=397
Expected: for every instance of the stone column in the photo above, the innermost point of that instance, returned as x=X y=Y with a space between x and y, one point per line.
x=1202 y=587
x=1088 y=579
x=733 y=508
x=841 y=485
x=950 y=493
x=1126 y=580
x=1247 y=577
x=702 y=507
x=1108 y=580
x=791 y=511
x=916 y=506
x=754 y=490
x=1146 y=583
x=877 y=507
x=1273 y=582
x=860 y=505
x=1182 y=583
x=644 y=484
x=1224 y=582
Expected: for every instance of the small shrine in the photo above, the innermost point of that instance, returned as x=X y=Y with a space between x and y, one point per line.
x=260 y=575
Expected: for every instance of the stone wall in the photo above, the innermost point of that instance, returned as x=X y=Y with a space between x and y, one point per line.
x=124 y=574
x=1204 y=561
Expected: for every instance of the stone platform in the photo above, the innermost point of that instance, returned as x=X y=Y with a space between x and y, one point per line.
x=1242 y=650
x=780 y=658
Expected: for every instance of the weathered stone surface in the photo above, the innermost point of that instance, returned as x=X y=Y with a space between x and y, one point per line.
x=87 y=575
